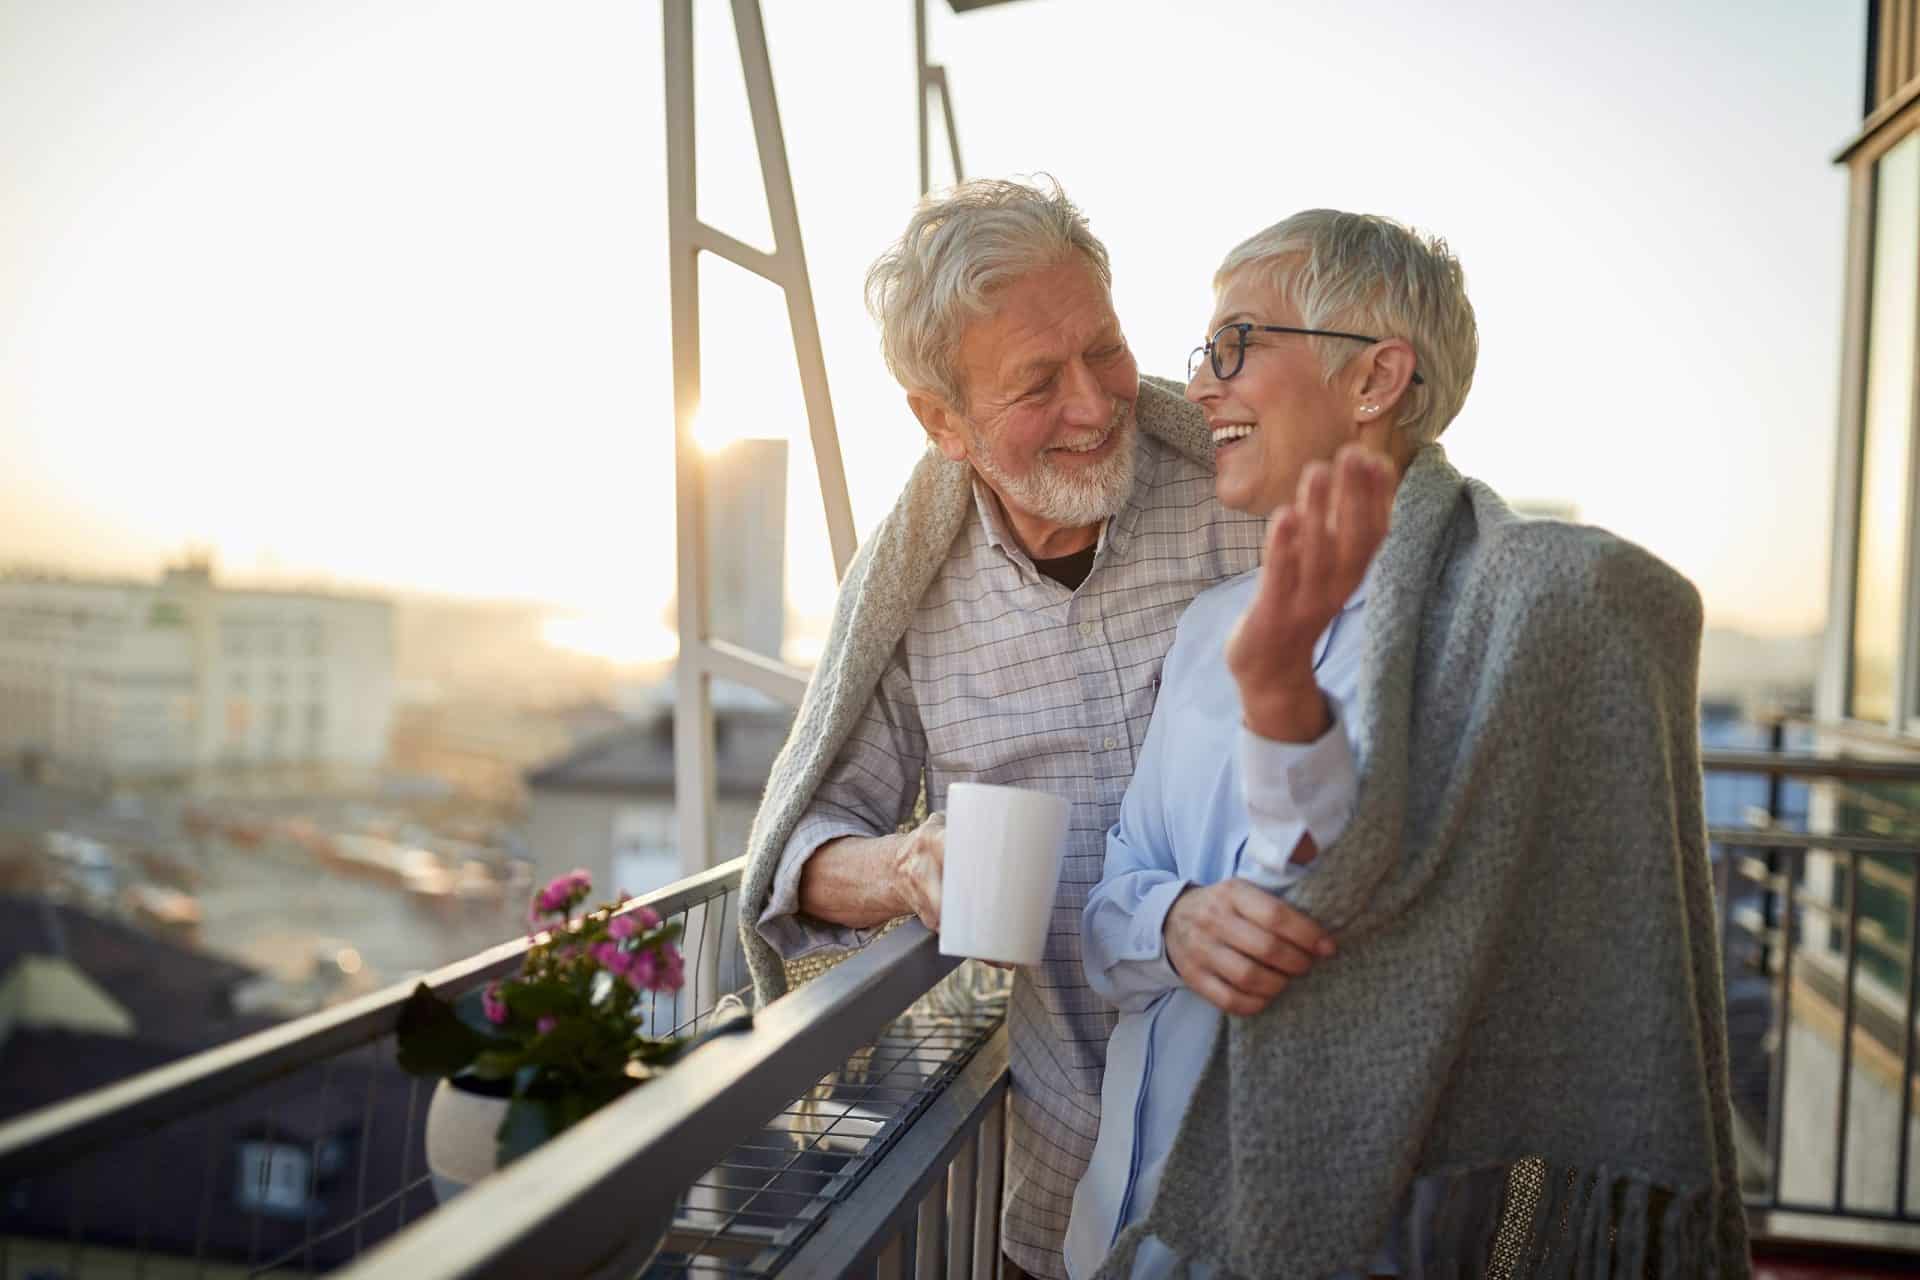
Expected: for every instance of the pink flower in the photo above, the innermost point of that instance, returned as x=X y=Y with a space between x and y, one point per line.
x=562 y=892
x=622 y=927
x=648 y=917
x=547 y=1023
x=643 y=974
x=611 y=957
x=673 y=969
x=494 y=1007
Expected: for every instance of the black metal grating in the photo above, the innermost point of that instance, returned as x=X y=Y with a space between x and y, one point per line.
x=749 y=1214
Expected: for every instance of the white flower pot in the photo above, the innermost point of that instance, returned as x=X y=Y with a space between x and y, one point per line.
x=461 y=1144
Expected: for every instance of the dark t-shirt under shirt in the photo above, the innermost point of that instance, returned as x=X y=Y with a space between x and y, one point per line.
x=1069 y=571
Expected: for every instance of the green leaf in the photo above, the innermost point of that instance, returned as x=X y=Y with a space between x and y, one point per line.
x=433 y=1040
x=471 y=1009
x=535 y=1002
x=527 y=1123
x=498 y=1064
x=564 y=1044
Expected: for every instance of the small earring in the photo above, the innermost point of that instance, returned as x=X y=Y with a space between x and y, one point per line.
x=1373 y=408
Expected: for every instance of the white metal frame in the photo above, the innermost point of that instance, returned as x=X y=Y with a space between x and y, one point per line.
x=932 y=76
x=702 y=656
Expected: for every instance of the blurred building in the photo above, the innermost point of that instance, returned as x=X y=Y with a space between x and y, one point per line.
x=608 y=806
x=178 y=678
x=1854 y=965
x=747 y=544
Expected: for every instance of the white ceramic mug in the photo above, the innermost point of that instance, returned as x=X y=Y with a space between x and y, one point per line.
x=1004 y=846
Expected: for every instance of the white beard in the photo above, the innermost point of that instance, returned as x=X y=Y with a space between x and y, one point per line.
x=1072 y=500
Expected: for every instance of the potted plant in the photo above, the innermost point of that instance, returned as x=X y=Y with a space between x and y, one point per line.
x=525 y=1057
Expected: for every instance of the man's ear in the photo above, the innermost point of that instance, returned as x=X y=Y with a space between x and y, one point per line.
x=940 y=422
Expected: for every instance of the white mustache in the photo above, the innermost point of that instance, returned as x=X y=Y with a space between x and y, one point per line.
x=1087 y=444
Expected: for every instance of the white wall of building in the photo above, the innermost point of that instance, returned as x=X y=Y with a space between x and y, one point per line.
x=179 y=677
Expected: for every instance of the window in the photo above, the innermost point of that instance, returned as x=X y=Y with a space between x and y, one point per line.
x=1885 y=450
x=274 y=1177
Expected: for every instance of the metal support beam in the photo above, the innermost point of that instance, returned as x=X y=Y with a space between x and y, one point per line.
x=702 y=657
x=931 y=77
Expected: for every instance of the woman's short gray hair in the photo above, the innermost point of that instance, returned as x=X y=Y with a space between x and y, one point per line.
x=959 y=249
x=1367 y=274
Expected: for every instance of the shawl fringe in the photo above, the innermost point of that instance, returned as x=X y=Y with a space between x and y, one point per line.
x=1529 y=1220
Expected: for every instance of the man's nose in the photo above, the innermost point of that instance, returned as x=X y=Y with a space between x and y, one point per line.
x=1086 y=399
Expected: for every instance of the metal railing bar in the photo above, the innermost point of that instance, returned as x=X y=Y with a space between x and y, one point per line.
x=962 y=1179
x=821 y=1174
x=1872 y=936
x=1782 y=1034
x=693 y=1021
x=72 y=1128
x=1905 y=1131
x=891 y=1264
x=405 y=1190
x=1809 y=766
x=741 y=254
x=847 y=1238
x=572 y=1198
x=986 y=1217
x=406 y=1147
x=776 y=679
x=1827 y=1211
x=261 y=1191
x=151 y=1144
x=76 y=1242
x=1813 y=841
x=365 y=1148
x=205 y=1223
x=313 y=1166
x=930 y=1234
x=1846 y=1033
x=887 y=1124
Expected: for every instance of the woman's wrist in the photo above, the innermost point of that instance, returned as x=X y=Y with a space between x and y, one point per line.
x=1292 y=712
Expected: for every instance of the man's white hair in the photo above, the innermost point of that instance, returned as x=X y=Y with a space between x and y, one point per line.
x=960 y=248
x=1365 y=274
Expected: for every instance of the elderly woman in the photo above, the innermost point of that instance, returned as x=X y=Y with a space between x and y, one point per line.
x=1464 y=743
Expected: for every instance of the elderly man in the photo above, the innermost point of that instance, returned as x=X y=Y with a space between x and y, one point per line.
x=1005 y=624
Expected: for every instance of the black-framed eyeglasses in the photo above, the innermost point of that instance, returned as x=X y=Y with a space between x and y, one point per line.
x=1226 y=351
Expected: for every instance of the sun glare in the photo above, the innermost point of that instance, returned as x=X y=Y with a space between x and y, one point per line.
x=713 y=432
x=629 y=639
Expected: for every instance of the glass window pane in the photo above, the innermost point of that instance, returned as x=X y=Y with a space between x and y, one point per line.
x=1885 y=448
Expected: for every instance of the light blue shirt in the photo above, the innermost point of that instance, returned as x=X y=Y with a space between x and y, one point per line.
x=1208 y=800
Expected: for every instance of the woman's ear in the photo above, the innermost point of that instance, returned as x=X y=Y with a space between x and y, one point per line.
x=940 y=422
x=1385 y=374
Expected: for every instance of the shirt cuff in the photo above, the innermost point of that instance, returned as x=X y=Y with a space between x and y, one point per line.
x=1295 y=789
x=782 y=925
x=1144 y=948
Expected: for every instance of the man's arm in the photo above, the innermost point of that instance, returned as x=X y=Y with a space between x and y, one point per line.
x=834 y=882
x=864 y=881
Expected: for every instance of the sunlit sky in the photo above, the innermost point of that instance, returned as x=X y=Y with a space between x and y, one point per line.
x=376 y=293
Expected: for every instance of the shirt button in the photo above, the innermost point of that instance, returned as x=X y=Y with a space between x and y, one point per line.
x=1087 y=629
x=1109 y=744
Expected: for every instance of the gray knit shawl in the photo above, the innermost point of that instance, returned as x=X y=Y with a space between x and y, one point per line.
x=1527 y=1000
x=882 y=588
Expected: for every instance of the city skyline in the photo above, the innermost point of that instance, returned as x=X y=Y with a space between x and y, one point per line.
x=413 y=336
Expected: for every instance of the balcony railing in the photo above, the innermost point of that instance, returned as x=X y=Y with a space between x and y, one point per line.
x=847 y=1132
